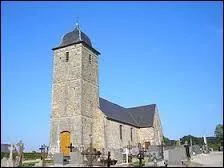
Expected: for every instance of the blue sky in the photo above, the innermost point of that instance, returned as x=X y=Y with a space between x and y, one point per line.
x=168 y=53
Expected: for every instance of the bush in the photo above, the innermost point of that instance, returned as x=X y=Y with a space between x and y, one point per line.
x=31 y=156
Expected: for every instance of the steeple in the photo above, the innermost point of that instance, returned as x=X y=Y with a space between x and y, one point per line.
x=74 y=37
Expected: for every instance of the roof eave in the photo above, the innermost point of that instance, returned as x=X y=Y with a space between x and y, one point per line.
x=83 y=42
x=122 y=122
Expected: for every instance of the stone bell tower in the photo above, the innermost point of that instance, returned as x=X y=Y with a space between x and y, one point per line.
x=75 y=92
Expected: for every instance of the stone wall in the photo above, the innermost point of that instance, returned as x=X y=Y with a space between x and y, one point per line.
x=113 y=135
x=75 y=105
x=75 y=95
x=98 y=130
x=90 y=94
x=146 y=135
x=108 y=132
x=158 y=132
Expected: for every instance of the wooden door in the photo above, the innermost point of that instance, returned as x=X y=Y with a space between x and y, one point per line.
x=65 y=141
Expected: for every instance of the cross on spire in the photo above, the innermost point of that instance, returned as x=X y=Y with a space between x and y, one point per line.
x=78 y=27
x=77 y=23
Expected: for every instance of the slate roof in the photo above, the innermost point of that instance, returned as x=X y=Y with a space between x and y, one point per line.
x=74 y=37
x=140 y=117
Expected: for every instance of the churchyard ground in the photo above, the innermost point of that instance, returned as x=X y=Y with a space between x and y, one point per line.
x=213 y=159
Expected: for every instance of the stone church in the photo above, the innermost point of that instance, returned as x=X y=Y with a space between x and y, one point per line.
x=80 y=116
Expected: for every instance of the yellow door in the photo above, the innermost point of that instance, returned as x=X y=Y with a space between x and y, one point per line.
x=65 y=142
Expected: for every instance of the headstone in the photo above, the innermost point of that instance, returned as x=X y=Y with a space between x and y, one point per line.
x=187 y=149
x=76 y=158
x=10 y=162
x=20 y=145
x=157 y=150
x=178 y=143
x=58 y=158
x=17 y=161
x=117 y=155
x=7 y=162
x=196 y=149
x=4 y=162
x=175 y=156
x=134 y=151
x=10 y=159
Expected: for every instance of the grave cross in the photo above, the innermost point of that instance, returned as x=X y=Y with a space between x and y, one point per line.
x=129 y=157
x=91 y=153
x=140 y=155
x=11 y=149
x=186 y=145
x=43 y=152
x=21 y=148
x=108 y=160
x=71 y=147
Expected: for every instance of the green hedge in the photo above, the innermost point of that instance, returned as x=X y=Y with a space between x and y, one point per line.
x=31 y=155
x=26 y=155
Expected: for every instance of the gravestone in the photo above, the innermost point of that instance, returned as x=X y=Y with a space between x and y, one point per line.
x=156 y=151
x=117 y=155
x=4 y=162
x=76 y=158
x=7 y=162
x=134 y=151
x=20 y=145
x=58 y=158
x=10 y=162
x=175 y=156
x=196 y=149
x=17 y=161
x=10 y=159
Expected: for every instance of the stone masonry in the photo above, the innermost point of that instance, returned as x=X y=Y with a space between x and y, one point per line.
x=75 y=105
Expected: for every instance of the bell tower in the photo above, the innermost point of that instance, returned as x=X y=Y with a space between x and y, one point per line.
x=75 y=91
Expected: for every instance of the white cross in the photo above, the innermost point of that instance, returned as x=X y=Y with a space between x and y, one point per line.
x=11 y=149
x=126 y=152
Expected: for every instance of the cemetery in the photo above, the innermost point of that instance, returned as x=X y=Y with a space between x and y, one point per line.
x=186 y=155
x=87 y=130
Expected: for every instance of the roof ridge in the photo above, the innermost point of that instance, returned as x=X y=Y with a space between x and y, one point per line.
x=113 y=103
x=141 y=116
x=142 y=106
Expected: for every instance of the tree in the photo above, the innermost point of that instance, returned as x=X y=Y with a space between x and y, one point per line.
x=165 y=140
x=219 y=133
x=195 y=140
x=169 y=142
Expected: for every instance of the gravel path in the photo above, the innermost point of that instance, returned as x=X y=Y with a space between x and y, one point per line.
x=209 y=160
